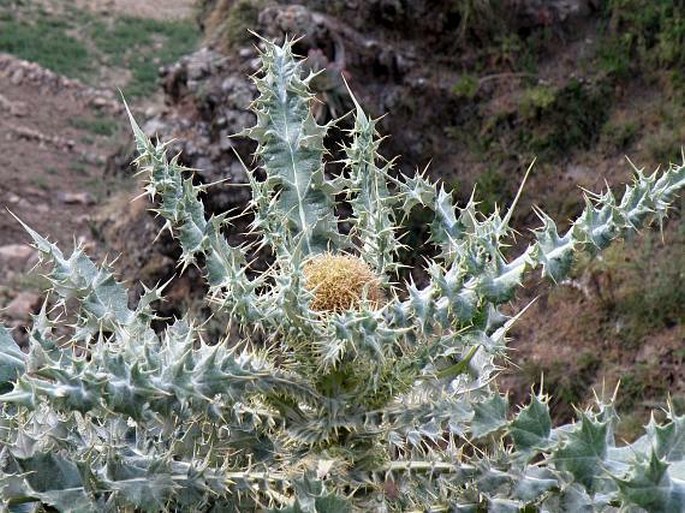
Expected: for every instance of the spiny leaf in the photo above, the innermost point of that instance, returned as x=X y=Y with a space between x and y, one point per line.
x=12 y=360
x=650 y=487
x=583 y=451
x=290 y=145
x=489 y=416
x=532 y=426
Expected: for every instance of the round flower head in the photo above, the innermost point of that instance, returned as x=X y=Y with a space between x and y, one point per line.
x=340 y=282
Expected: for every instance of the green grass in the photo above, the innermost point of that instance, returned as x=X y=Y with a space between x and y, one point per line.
x=618 y=135
x=77 y=43
x=642 y=35
x=653 y=289
x=492 y=189
x=41 y=182
x=142 y=46
x=78 y=167
x=558 y=121
x=467 y=86
x=47 y=43
x=98 y=125
x=643 y=289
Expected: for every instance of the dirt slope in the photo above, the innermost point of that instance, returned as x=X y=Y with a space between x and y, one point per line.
x=56 y=135
x=169 y=9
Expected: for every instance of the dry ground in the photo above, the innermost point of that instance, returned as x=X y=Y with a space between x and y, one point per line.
x=55 y=137
x=165 y=10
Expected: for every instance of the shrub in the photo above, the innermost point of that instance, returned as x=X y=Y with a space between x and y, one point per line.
x=643 y=31
x=387 y=404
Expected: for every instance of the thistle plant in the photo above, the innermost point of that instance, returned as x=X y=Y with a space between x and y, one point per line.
x=342 y=388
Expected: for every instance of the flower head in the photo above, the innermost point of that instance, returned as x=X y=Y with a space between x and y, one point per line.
x=340 y=282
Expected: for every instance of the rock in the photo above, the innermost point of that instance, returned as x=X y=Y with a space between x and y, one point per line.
x=13 y=198
x=76 y=198
x=17 y=77
x=83 y=219
x=246 y=52
x=34 y=191
x=153 y=127
x=578 y=173
x=15 y=255
x=5 y=104
x=25 y=73
x=23 y=305
x=92 y=158
x=31 y=134
x=103 y=103
x=19 y=109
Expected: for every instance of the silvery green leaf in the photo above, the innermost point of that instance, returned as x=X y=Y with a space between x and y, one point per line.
x=11 y=360
x=583 y=451
x=532 y=426
x=650 y=486
x=489 y=416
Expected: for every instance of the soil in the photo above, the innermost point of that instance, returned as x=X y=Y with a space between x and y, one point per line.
x=173 y=9
x=53 y=174
x=48 y=160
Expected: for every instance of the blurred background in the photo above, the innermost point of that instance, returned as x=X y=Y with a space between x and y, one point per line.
x=472 y=89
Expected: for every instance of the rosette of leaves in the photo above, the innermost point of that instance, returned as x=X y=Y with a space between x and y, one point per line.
x=346 y=390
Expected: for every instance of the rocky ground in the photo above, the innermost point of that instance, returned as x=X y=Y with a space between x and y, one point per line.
x=51 y=177
x=56 y=135
x=171 y=9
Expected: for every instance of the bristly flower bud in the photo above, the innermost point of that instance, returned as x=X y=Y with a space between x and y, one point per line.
x=340 y=282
